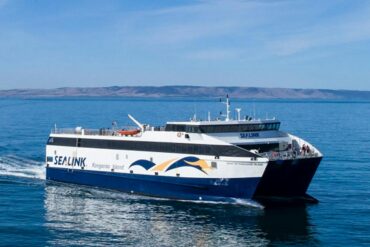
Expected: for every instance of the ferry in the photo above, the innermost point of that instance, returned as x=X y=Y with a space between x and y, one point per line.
x=211 y=160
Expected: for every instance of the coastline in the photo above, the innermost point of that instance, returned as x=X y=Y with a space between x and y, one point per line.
x=183 y=92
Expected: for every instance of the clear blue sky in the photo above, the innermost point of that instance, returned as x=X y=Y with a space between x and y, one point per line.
x=263 y=43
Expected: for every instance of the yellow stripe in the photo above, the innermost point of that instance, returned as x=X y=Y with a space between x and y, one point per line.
x=163 y=165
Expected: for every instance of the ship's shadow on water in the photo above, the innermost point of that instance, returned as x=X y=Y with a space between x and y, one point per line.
x=107 y=217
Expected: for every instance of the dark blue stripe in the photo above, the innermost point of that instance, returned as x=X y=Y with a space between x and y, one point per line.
x=209 y=189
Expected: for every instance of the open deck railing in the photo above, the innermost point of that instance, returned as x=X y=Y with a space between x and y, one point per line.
x=81 y=131
x=287 y=155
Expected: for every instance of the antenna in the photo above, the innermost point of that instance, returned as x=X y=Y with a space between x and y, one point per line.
x=227 y=108
x=209 y=116
x=238 y=111
x=195 y=112
x=254 y=111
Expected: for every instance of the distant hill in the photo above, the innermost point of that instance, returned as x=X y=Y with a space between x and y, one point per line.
x=187 y=91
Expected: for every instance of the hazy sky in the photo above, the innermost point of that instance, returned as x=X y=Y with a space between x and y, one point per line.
x=263 y=43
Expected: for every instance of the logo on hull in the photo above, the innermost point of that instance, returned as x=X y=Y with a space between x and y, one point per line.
x=168 y=165
x=69 y=161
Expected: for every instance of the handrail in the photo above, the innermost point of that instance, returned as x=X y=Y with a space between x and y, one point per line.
x=287 y=155
x=91 y=132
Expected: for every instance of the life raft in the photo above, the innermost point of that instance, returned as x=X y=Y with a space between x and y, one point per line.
x=128 y=132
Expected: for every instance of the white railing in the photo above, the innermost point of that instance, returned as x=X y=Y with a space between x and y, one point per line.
x=64 y=131
x=103 y=131
x=288 y=155
x=81 y=131
x=295 y=151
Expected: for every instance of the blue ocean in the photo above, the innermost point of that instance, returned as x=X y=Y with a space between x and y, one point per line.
x=34 y=212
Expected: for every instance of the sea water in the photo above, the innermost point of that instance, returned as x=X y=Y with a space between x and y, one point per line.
x=34 y=212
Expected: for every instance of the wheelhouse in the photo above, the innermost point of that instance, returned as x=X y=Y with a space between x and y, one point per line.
x=222 y=128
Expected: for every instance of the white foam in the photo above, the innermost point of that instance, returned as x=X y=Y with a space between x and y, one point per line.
x=234 y=201
x=249 y=203
x=11 y=165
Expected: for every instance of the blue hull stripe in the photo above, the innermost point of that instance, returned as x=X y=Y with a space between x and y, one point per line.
x=209 y=189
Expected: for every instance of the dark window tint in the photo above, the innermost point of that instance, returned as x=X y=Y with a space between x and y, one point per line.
x=223 y=128
x=70 y=142
x=265 y=147
x=201 y=149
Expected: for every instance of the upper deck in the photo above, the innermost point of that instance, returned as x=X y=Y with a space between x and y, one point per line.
x=223 y=126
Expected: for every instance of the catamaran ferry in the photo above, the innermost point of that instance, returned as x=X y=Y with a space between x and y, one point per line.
x=211 y=160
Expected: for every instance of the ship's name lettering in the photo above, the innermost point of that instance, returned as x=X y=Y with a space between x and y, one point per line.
x=249 y=135
x=69 y=161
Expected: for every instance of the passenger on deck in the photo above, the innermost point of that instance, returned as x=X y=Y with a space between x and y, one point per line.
x=308 y=149
x=304 y=149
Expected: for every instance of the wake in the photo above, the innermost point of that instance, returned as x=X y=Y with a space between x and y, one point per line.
x=233 y=201
x=11 y=165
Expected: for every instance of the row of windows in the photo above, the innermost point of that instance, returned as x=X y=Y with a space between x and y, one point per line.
x=266 y=147
x=222 y=128
x=200 y=149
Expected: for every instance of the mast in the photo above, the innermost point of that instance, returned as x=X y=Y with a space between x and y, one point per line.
x=227 y=108
x=227 y=103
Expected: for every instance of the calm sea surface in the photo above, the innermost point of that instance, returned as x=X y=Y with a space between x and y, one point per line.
x=34 y=212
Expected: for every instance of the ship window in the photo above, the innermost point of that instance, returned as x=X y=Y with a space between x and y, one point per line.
x=71 y=142
x=186 y=148
x=222 y=128
x=262 y=148
x=175 y=127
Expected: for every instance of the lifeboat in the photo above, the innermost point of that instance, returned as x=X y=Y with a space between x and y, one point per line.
x=128 y=132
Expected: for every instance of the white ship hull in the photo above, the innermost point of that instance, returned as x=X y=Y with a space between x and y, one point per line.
x=165 y=174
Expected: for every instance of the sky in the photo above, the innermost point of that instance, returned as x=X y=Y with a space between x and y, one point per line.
x=251 y=43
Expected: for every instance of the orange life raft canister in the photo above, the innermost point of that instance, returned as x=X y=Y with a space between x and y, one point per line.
x=128 y=132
